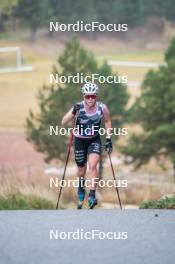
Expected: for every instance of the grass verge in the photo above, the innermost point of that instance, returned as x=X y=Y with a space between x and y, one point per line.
x=162 y=203
x=20 y=201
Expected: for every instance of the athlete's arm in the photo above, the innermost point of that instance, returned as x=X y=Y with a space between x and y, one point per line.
x=107 y=121
x=108 y=127
x=67 y=117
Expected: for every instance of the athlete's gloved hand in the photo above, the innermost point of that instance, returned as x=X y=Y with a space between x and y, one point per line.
x=76 y=108
x=108 y=145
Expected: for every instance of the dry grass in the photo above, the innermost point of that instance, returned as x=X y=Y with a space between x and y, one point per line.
x=141 y=187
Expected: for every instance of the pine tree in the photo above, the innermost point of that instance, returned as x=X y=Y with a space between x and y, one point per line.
x=154 y=110
x=55 y=100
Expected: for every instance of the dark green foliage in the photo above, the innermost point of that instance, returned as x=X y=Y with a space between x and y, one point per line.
x=163 y=203
x=36 y=14
x=33 y=14
x=128 y=12
x=170 y=53
x=70 y=11
x=55 y=100
x=154 y=110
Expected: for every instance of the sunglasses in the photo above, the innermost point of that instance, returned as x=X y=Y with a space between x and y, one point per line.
x=92 y=96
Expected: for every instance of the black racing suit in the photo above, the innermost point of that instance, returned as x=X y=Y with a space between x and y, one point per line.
x=87 y=140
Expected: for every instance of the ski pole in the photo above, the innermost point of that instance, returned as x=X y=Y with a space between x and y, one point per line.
x=114 y=180
x=67 y=159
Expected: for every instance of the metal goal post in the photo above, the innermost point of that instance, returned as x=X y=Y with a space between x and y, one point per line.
x=19 y=66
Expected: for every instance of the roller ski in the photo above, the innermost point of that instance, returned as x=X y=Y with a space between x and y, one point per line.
x=80 y=205
x=92 y=202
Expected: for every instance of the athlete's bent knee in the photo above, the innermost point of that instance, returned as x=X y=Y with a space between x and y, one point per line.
x=93 y=167
x=81 y=171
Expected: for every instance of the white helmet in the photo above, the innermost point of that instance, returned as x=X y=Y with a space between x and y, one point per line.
x=90 y=88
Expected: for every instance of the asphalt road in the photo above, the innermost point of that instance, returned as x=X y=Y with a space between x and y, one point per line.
x=33 y=237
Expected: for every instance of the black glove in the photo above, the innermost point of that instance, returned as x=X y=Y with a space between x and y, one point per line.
x=108 y=145
x=76 y=108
